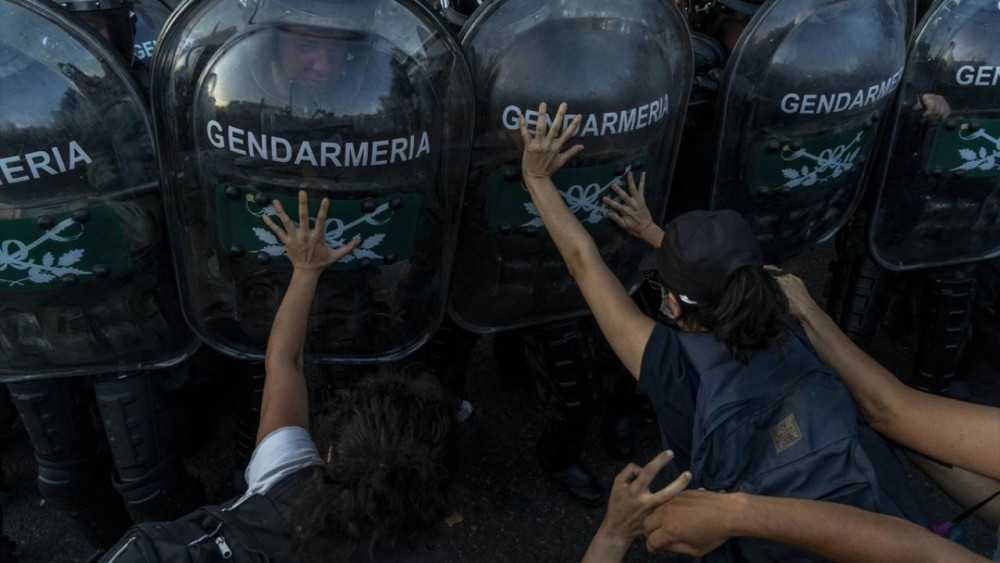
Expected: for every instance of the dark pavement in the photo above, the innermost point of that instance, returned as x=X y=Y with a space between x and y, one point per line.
x=510 y=511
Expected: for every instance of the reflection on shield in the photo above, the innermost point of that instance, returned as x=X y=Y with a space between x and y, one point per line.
x=368 y=104
x=85 y=271
x=801 y=114
x=940 y=202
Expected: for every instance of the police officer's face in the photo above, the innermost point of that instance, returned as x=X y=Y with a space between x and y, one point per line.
x=312 y=62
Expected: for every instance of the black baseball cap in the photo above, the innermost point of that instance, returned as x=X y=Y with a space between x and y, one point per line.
x=700 y=252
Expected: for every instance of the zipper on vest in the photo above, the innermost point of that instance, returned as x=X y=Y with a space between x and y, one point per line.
x=220 y=542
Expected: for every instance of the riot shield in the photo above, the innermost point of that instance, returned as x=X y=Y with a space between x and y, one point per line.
x=150 y=17
x=366 y=102
x=626 y=68
x=799 y=115
x=940 y=202
x=85 y=279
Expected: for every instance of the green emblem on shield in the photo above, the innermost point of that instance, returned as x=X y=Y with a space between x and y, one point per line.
x=387 y=226
x=969 y=149
x=38 y=252
x=582 y=189
x=786 y=166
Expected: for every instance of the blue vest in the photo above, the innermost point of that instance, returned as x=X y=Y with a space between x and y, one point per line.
x=784 y=425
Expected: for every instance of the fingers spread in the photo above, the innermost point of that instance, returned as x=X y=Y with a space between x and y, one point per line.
x=620 y=192
x=627 y=475
x=303 y=211
x=540 y=127
x=347 y=248
x=653 y=467
x=525 y=136
x=285 y=219
x=615 y=205
x=573 y=151
x=557 y=122
x=617 y=219
x=324 y=208
x=571 y=129
x=642 y=186
x=275 y=228
x=673 y=489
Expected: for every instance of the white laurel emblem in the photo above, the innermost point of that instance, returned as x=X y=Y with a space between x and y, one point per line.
x=829 y=164
x=16 y=256
x=579 y=198
x=335 y=232
x=984 y=159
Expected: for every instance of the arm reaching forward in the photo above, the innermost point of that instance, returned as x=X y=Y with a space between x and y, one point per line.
x=697 y=522
x=956 y=432
x=622 y=323
x=285 y=400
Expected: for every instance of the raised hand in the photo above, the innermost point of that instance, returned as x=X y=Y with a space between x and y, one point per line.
x=541 y=152
x=305 y=245
x=632 y=213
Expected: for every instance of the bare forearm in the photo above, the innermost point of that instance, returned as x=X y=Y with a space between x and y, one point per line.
x=959 y=433
x=841 y=533
x=606 y=548
x=873 y=387
x=573 y=241
x=285 y=400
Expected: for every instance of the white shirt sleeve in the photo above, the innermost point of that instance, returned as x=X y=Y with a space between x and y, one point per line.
x=281 y=453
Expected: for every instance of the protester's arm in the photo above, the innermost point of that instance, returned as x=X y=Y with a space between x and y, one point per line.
x=697 y=522
x=632 y=213
x=956 y=432
x=285 y=401
x=629 y=504
x=623 y=324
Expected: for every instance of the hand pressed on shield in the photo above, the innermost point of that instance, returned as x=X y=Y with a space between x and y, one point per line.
x=629 y=504
x=799 y=300
x=632 y=213
x=541 y=153
x=305 y=245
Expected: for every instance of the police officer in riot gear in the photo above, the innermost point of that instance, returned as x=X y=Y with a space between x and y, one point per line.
x=935 y=215
x=630 y=82
x=91 y=314
x=345 y=100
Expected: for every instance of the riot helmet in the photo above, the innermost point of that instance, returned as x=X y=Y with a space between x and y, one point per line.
x=111 y=19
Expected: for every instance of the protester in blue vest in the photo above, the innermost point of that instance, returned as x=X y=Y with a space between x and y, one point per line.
x=963 y=434
x=740 y=396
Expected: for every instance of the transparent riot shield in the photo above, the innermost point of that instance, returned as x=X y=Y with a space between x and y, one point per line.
x=940 y=202
x=151 y=16
x=366 y=102
x=85 y=279
x=800 y=115
x=626 y=68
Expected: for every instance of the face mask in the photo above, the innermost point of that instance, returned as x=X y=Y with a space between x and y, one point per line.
x=665 y=311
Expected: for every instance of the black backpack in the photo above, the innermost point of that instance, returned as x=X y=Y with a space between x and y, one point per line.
x=256 y=530
x=785 y=426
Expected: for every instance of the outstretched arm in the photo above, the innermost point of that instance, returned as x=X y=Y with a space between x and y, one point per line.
x=622 y=323
x=285 y=400
x=697 y=522
x=956 y=432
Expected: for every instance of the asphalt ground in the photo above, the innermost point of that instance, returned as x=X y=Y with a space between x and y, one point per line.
x=509 y=510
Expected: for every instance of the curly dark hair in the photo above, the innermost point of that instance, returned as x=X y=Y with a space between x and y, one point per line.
x=752 y=313
x=392 y=452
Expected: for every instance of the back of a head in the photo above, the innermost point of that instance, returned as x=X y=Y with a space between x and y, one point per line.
x=713 y=264
x=390 y=451
x=752 y=313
